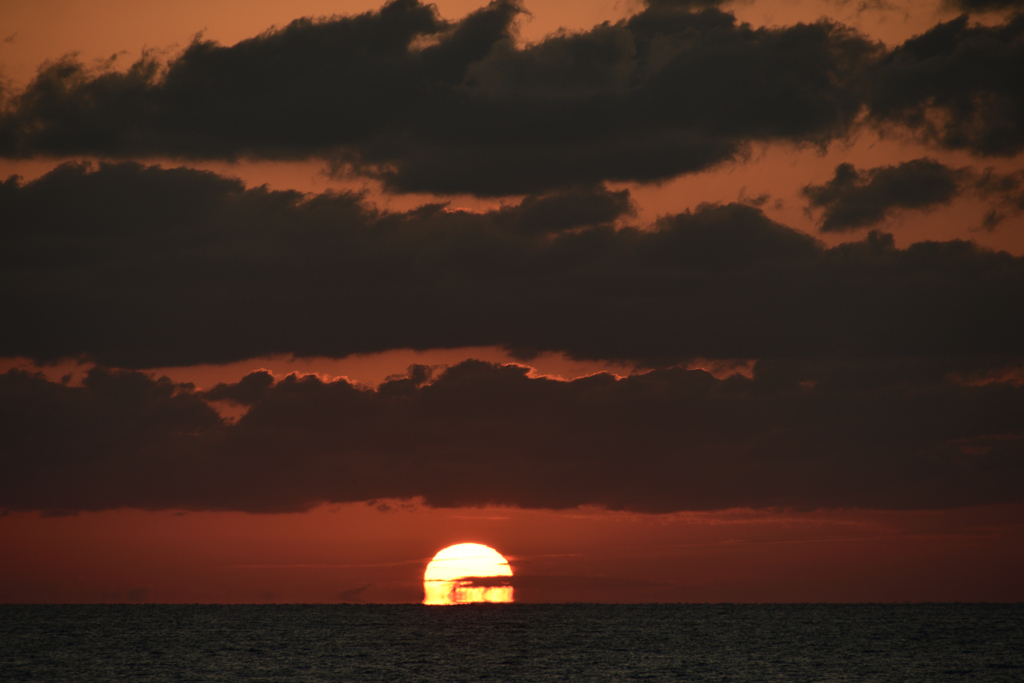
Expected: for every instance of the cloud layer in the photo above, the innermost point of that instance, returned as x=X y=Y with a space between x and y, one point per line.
x=802 y=434
x=144 y=267
x=885 y=377
x=434 y=106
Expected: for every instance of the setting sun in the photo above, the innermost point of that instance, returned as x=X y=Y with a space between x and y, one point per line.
x=466 y=573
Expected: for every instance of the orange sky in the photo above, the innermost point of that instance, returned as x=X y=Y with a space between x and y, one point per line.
x=377 y=552
x=98 y=29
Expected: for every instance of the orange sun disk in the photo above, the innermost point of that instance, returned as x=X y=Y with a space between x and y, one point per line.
x=467 y=573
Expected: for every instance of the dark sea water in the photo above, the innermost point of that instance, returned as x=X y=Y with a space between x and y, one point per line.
x=512 y=643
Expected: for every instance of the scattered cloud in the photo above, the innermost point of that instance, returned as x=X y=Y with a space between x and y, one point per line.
x=855 y=199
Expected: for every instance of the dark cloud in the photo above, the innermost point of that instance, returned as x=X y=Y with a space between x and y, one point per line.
x=574 y=208
x=854 y=199
x=457 y=107
x=885 y=378
x=1007 y=191
x=353 y=594
x=683 y=4
x=144 y=267
x=957 y=85
x=288 y=92
x=985 y=5
x=1006 y=188
x=126 y=423
x=427 y=105
x=249 y=390
x=805 y=434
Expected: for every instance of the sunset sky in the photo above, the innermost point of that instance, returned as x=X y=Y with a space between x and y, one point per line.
x=666 y=301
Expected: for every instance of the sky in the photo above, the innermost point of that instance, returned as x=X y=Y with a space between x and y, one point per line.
x=666 y=301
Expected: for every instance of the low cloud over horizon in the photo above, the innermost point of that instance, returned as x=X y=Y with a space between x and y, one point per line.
x=825 y=433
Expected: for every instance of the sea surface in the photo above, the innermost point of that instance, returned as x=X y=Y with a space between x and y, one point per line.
x=971 y=642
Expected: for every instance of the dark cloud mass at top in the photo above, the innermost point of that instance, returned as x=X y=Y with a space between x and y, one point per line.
x=436 y=106
x=883 y=376
x=145 y=267
x=429 y=105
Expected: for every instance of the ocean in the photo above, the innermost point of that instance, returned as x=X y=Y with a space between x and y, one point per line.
x=930 y=642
